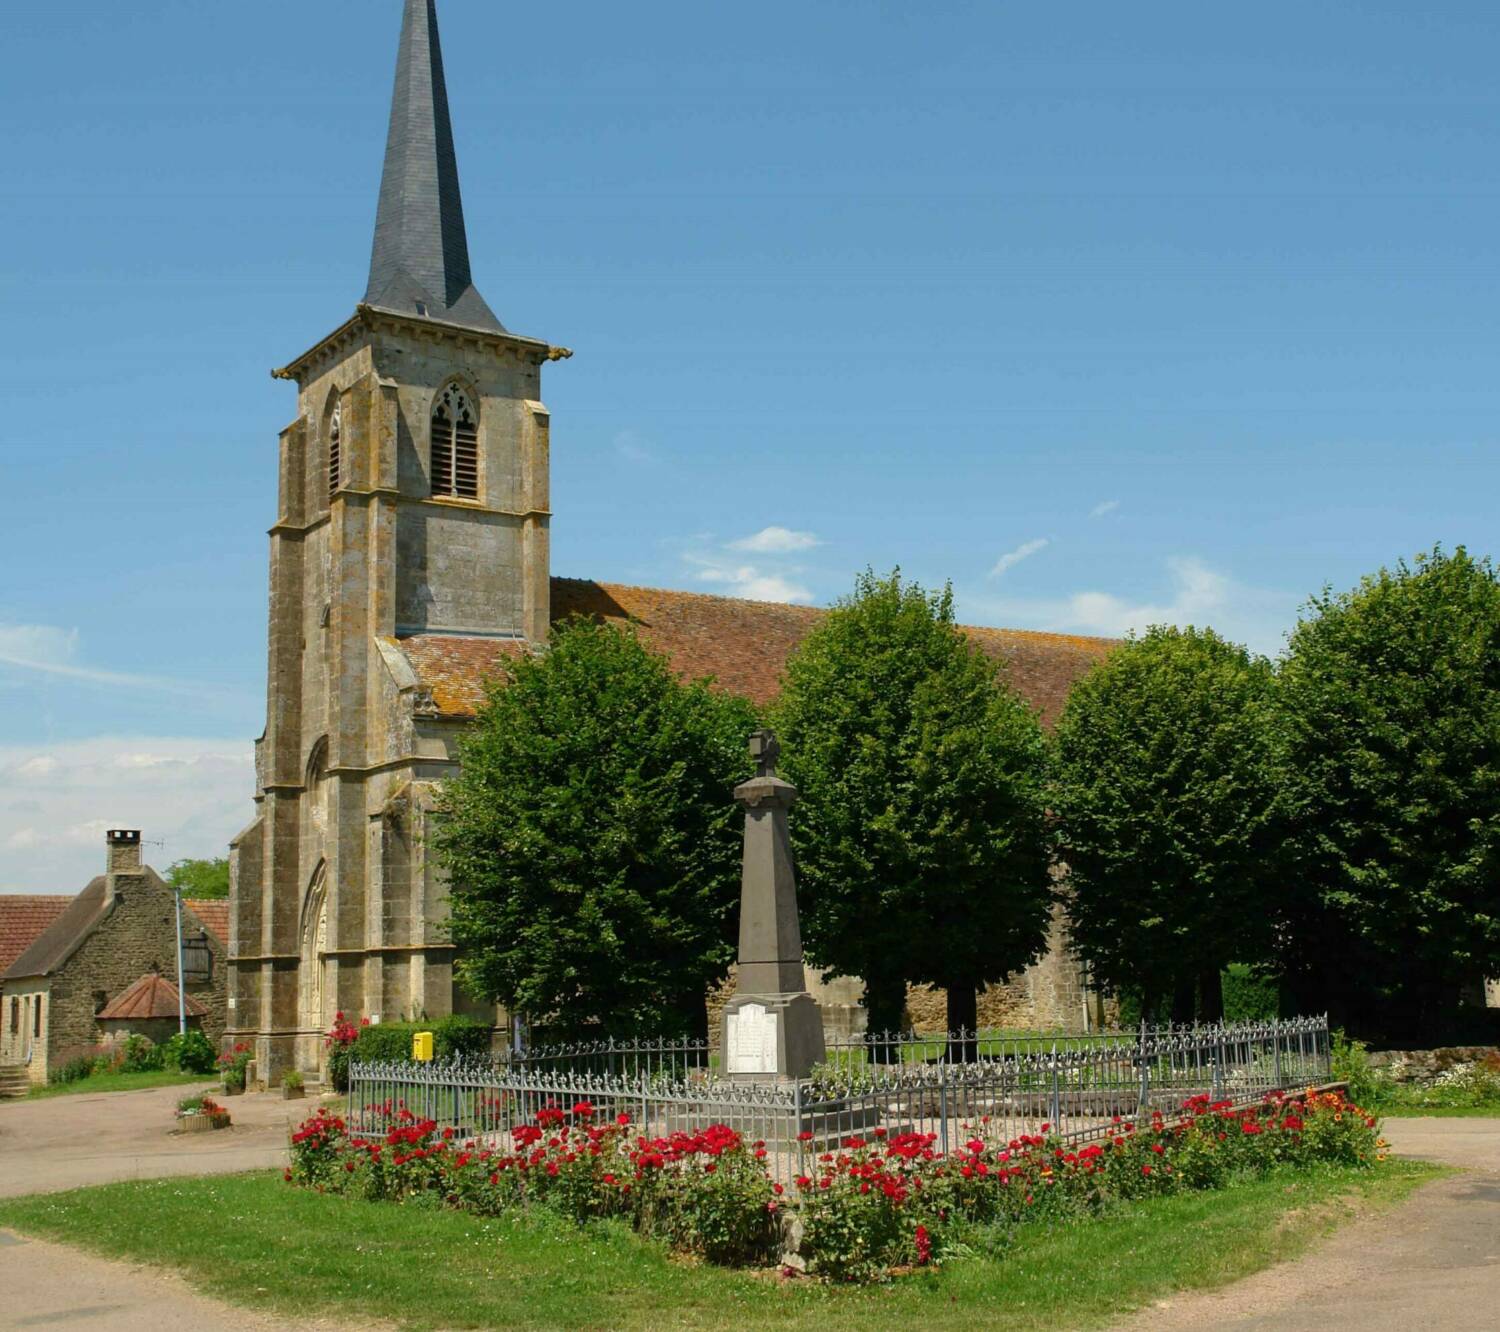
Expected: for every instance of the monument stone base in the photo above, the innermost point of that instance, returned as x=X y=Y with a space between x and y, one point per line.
x=771 y=1037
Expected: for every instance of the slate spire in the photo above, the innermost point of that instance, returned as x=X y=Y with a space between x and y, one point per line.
x=420 y=263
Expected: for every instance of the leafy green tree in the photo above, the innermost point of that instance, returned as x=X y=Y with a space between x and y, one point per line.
x=1165 y=805
x=201 y=880
x=1392 y=704
x=593 y=841
x=920 y=835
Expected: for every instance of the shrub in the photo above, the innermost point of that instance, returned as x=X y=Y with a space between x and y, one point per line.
x=74 y=1069
x=140 y=1055
x=293 y=1079
x=1248 y=997
x=452 y=1036
x=188 y=1052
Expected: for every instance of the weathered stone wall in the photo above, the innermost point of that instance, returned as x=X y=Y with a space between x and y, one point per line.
x=1424 y=1066
x=137 y=935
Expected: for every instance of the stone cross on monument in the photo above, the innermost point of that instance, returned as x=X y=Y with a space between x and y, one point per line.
x=772 y=1027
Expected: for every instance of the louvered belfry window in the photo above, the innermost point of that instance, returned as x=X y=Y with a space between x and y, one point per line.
x=455 y=446
x=335 y=449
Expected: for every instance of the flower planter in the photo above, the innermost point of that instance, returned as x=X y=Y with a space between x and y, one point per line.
x=201 y=1123
x=293 y=1093
x=233 y=1091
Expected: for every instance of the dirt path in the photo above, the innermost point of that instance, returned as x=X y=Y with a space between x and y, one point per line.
x=66 y=1142
x=1433 y=1262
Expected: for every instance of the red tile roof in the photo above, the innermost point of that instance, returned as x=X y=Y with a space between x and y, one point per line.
x=23 y=918
x=743 y=645
x=213 y=916
x=153 y=996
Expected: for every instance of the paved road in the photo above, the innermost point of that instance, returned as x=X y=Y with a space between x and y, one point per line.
x=1434 y=1262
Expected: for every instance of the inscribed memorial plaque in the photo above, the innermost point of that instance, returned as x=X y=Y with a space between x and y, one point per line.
x=750 y=1038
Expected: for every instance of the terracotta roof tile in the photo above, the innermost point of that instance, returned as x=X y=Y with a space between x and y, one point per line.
x=213 y=916
x=153 y=996
x=23 y=917
x=453 y=670
x=743 y=645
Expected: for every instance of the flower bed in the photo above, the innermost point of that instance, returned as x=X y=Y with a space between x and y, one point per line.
x=875 y=1204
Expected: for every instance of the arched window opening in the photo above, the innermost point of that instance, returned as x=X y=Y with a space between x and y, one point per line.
x=335 y=449
x=455 y=446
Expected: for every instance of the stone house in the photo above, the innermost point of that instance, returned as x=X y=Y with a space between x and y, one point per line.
x=409 y=560
x=117 y=930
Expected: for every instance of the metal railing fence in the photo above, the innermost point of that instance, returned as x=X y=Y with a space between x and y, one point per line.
x=1076 y=1088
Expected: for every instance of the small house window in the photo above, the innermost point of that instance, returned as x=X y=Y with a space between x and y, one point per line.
x=335 y=449
x=15 y=1016
x=101 y=1001
x=455 y=446
x=36 y=1017
x=197 y=961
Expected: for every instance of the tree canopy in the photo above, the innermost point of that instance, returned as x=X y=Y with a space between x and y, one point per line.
x=920 y=834
x=1164 y=798
x=593 y=841
x=1391 y=696
x=202 y=880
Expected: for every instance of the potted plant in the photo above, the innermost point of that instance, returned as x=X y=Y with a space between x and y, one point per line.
x=291 y=1086
x=201 y=1114
x=232 y=1066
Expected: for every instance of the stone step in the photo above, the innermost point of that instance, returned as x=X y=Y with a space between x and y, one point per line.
x=15 y=1081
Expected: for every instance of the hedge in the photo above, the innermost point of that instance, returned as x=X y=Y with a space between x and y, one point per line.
x=451 y=1035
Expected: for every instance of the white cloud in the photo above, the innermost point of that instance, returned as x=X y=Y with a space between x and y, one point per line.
x=1024 y=551
x=192 y=794
x=776 y=541
x=1196 y=595
x=1104 y=507
x=751 y=581
x=49 y=650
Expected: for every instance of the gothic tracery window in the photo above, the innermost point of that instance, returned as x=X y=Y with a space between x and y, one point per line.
x=335 y=449
x=455 y=446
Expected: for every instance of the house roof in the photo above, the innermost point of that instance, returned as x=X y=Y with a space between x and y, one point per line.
x=23 y=916
x=50 y=949
x=742 y=645
x=153 y=996
x=212 y=915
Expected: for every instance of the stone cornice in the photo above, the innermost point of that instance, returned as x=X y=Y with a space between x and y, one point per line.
x=368 y=320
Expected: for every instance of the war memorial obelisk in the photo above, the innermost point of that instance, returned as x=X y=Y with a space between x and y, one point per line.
x=773 y=1028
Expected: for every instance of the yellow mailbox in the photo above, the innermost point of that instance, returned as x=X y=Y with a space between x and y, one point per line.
x=421 y=1046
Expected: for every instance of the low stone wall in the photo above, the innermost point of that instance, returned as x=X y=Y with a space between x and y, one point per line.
x=1423 y=1066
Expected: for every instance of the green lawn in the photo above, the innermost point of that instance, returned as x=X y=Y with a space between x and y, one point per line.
x=123 y=1082
x=277 y=1248
x=1438 y=1112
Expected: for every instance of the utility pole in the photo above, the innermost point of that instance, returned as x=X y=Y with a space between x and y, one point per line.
x=181 y=982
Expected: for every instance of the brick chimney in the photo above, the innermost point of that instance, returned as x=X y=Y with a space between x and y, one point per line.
x=124 y=855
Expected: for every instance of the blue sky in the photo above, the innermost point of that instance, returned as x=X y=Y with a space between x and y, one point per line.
x=1109 y=314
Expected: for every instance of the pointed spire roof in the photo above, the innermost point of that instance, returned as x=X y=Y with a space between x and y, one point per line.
x=420 y=263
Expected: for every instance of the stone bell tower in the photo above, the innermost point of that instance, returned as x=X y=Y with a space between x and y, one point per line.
x=413 y=501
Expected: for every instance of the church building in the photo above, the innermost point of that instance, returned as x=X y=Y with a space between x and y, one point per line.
x=409 y=560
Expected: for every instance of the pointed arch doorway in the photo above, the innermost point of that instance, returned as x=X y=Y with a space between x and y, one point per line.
x=311 y=970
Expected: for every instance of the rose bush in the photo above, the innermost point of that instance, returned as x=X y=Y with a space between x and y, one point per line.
x=867 y=1205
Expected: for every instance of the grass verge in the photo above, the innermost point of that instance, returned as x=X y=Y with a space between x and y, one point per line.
x=122 y=1082
x=272 y=1247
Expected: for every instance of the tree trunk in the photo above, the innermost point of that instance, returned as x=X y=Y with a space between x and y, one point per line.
x=885 y=1007
x=1211 y=994
x=963 y=1024
x=1184 y=1000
